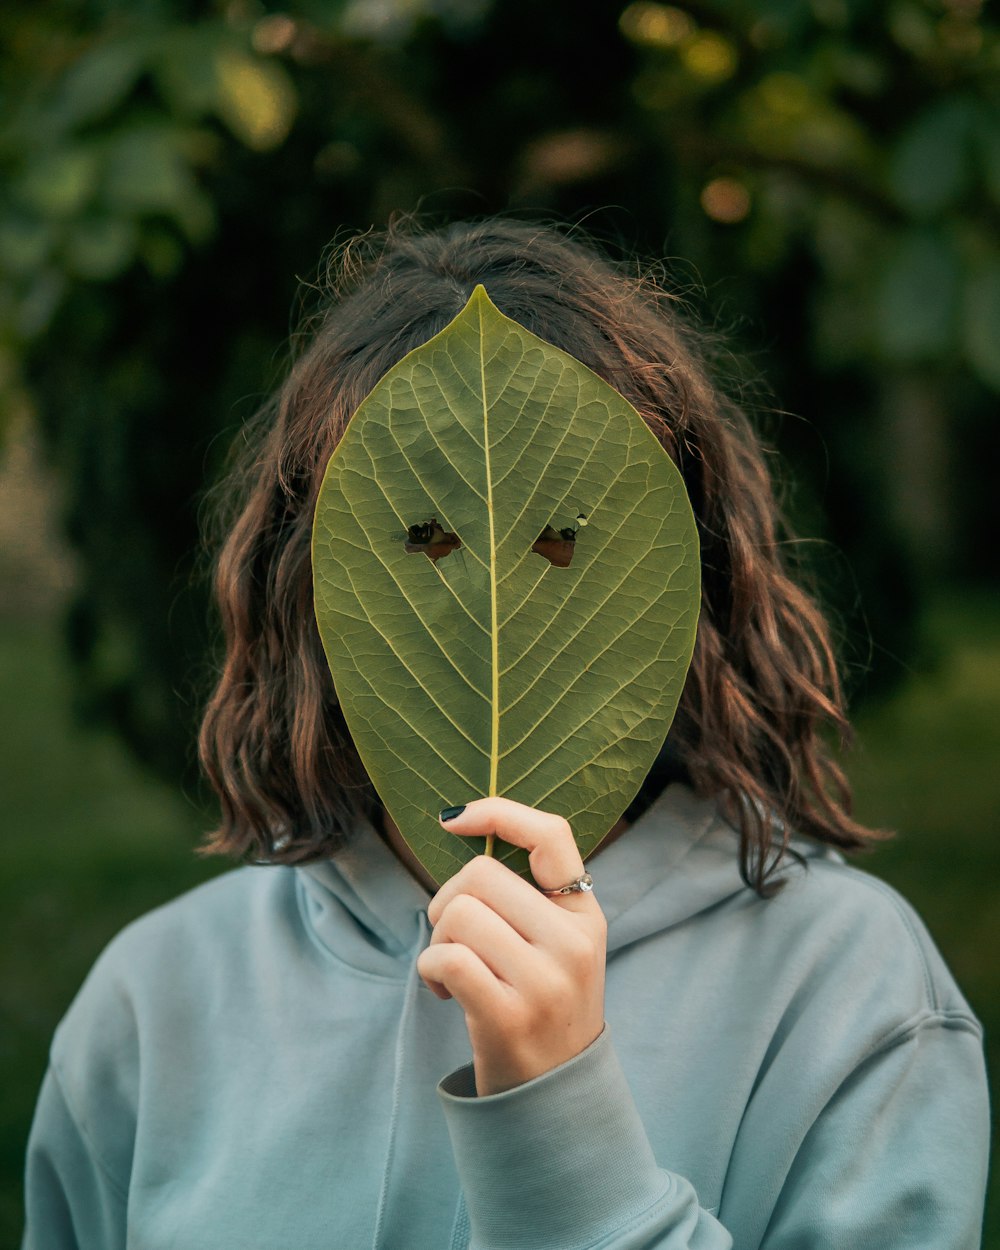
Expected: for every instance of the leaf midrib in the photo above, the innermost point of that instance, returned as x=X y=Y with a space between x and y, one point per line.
x=494 y=627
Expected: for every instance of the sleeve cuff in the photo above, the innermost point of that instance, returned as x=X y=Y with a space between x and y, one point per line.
x=560 y=1161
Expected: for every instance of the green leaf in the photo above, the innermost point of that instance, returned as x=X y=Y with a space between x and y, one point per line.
x=58 y=184
x=930 y=168
x=982 y=321
x=25 y=243
x=148 y=171
x=101 y=248
x=186 y=70
x=101 y=80
x=256 y=99
x=145 y=170
x=490 y=670
x=916 y=300
x=987 y=136
x=36 y=308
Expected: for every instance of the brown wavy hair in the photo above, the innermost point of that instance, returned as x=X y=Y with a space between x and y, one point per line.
x=763 y=696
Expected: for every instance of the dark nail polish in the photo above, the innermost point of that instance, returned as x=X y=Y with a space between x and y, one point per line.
x=450 y=813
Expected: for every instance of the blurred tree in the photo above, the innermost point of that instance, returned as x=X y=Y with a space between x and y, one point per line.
x=831 y=169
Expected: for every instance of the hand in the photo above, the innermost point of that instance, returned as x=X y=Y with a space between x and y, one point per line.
x=528 y=971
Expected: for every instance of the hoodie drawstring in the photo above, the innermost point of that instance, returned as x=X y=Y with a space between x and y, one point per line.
x=461 y=1232
x=410 y=997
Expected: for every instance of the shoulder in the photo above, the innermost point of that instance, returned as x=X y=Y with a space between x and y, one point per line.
x=159 y=989
x=213 y=918
x=173 y=953
x=832 y=938
x=156 y=969
x=208 y=909
x=845 y=925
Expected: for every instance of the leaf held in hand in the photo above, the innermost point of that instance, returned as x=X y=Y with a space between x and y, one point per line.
x=551 y=681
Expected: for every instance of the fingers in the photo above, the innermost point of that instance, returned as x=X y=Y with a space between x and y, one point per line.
x=510 y=926
x=470 y=922
x=492 y=882
x=552 y=853
x=528 y=971
x=454 y=971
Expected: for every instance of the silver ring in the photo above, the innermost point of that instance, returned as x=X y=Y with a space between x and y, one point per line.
x=582 y=885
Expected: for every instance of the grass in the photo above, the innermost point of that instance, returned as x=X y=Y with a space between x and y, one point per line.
x=92 y=842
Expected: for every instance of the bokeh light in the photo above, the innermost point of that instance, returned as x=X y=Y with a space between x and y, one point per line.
x=725 y=200
x=274 y=34
x=655 y=25
x=710 y=56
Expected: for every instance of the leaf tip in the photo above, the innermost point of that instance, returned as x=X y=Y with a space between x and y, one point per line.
x=480 y=302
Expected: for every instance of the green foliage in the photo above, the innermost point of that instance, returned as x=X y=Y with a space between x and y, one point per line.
x=917 y=299
x=489 y=668
x=789 y=151
x=831 y=170
x=981 y=325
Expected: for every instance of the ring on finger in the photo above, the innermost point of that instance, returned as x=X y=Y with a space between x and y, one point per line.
x=582 y=885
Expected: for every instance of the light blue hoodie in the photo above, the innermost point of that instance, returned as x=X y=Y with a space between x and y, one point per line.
x=256 y=1066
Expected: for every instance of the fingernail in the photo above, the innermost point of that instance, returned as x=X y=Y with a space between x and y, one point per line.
x=450 y=813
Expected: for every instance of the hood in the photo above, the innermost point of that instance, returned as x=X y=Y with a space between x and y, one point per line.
x=678 y=859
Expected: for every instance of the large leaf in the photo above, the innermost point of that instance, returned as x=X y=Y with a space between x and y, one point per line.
x=490 y=669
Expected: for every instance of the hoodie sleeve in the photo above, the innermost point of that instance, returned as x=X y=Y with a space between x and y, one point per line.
x=79 y=1156
x=563 y=1163
x=895 y=1161
x=71 y=1200
x=897 y=1158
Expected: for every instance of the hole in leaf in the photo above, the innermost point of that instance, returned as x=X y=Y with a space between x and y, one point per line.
x=558 y=545
x=429 y=539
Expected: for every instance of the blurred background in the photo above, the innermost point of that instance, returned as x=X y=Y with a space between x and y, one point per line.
x=819 y=181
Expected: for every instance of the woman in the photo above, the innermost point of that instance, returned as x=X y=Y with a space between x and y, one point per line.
x=786 y=1061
